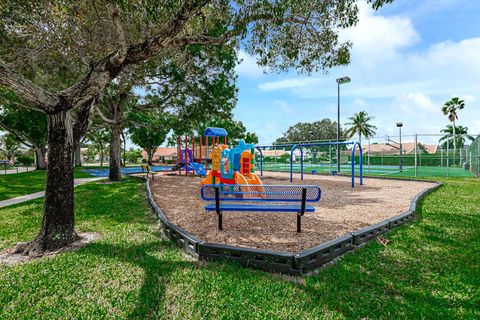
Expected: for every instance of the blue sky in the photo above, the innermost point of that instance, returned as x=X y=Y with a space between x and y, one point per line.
x=408 y=58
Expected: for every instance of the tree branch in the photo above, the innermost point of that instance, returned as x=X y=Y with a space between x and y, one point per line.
x=109 y=67
x=83 y=119
x=149 y=48
x=20 y=137
x=104 y=118
x=161 y=103
x=36 y=97
x=235 y=31
x=120 y=55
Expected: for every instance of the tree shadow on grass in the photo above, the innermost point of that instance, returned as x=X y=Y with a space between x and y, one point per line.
x=151 y=297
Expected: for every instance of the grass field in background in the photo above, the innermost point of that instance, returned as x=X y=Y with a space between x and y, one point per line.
x=19 y=184
x=375 y=170
x=429 y=269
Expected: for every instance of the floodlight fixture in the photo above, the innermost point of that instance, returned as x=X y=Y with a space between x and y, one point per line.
x=343 y=80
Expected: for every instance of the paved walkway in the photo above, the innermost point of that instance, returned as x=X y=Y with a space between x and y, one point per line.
x=15 y=170
x=36 y=195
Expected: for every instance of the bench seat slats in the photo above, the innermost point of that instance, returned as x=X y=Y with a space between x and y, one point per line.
x=259 y=207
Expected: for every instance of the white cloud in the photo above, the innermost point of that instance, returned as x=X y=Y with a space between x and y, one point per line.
x=377 y=38
x=248 y=66
x=284 y=107
x=381 y=67
x=468 y=98
x=291 y=83
x=474 y=127
x=410 y=103
x=360 y=103
x=395 y=77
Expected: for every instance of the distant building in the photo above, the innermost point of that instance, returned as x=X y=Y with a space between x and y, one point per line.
x=275 y=153
x=162 y=154
x=407 y=147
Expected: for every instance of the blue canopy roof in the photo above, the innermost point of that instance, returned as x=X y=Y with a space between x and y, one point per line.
x=215 y=132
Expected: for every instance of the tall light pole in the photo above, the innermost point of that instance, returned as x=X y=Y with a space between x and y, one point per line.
x=340 y=81
x=400 y=125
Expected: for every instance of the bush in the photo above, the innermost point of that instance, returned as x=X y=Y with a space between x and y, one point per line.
x=25 y=160
x=133 y=155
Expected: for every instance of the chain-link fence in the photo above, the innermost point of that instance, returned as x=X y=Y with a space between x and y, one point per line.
x=474 y=153
x=419 y=155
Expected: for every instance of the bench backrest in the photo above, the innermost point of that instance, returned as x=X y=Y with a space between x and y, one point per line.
x=145 y=168
x=262 y=193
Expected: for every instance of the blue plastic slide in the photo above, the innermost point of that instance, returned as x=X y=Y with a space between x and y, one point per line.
x=198 y=167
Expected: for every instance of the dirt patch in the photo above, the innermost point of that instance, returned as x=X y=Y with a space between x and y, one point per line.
x=9 y=257
x=341 y=210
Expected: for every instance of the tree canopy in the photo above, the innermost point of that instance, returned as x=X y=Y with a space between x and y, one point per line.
x=59 y=56
x=149 y=129
x=325 y=129
x=27 y=126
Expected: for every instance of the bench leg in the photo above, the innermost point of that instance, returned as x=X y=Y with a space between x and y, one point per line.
x=217 y=208
x=299 y=222
x=302 y=210
x=220 y=222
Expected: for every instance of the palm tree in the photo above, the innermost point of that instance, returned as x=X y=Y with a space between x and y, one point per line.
x=450 y=109
x=359 y=124
x=450 y=140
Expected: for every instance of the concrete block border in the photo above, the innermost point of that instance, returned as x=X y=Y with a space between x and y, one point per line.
x=282 y=262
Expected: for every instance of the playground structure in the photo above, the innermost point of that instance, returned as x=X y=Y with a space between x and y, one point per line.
x=300 y=147
x=197 y=156
x=233 y=165
x=187 y=161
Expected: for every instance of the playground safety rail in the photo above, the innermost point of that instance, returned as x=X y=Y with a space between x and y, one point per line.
x=300 y=146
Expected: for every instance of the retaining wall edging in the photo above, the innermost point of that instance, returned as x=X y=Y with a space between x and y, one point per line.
x=282 y=262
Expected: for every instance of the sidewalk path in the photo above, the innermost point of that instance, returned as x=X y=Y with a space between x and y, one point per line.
x=36 y=195
x=14 y=170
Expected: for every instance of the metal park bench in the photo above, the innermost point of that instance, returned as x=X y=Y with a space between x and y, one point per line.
x=260 y=198
x=148 y=171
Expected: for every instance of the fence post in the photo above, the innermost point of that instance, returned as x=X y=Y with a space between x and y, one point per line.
x=330 y=157
x=448 y=156
x=416 y=153
x=441 y=156
x=478 y=155
x=368 y=155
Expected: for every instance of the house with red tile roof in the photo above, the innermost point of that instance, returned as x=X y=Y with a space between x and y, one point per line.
x=162 y=154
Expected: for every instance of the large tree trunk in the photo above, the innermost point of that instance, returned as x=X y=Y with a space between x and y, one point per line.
x=150 y=155
x=40 y=158
x=115 y=153
x=58 y=224
x=77 y=155
x=124 y=149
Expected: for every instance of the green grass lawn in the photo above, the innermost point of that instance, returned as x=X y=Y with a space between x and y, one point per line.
x=19 y=184
x=429 y=270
